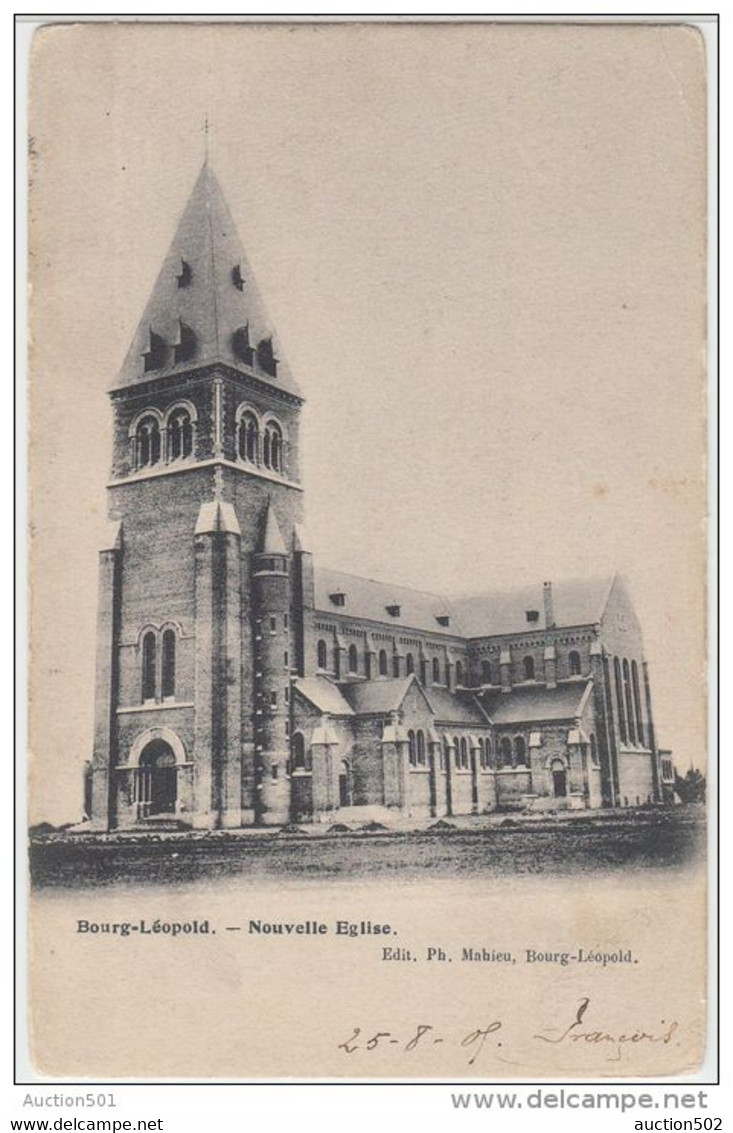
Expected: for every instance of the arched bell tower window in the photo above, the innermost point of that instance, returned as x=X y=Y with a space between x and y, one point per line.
x=528 y=668
x=169 y=664
x=147 y=442
x=409 y=664
x=180 y=435
x=383 y=662
x=322 y=654
x=248 y=438
x=436 y=670
x=272 y=449
x=353 y=659
x=148 y=672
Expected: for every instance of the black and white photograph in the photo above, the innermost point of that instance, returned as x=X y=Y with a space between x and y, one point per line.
x=368 y=497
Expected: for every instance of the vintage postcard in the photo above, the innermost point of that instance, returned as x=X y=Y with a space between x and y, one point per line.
x=368 y=497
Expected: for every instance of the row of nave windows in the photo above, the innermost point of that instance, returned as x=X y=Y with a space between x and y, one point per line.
x=487 y=672
x=383 y=664
x=490 y=674
x=163 y=439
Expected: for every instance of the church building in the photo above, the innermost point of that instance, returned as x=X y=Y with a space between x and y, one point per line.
x=240 y=683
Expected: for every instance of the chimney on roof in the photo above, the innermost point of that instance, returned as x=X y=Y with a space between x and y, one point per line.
x=549 y=608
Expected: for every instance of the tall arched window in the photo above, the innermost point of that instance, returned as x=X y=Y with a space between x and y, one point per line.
x=486 y=672
x=528 y=668
x=456 y=751
x=410 y=664
x=628 y=702
x=322 y=654
x=637 y=701
x=302 y=760
x=574 y=663
x=169 y=663
x=412 y=747
x=148 y=674
x=148 y=442
x=619 y=699
x=505 y=748
x=395 y=666
x=353 y=659
x=464 y=753
x=383 y=664
x=481 y=752
x=488 y=748
x=436 y=670
x=273 y=447
x=459 y=673
x=421 y=757
x=180 y=435
x=520 y=750
x=248 y=438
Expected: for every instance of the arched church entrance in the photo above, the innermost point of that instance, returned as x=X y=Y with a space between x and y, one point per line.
x=559 y=779
x=157 y=780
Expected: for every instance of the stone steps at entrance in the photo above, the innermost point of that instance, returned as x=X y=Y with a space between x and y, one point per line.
x=359 y=814
x=161 y=824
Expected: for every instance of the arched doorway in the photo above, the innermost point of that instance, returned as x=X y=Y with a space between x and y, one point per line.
x=559 y=779
x=157 y=779
x=345 y=798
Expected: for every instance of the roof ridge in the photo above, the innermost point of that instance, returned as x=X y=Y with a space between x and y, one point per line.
x=585 y=578
x=382 y=582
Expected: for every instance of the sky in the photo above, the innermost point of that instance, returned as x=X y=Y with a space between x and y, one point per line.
x=483 y=249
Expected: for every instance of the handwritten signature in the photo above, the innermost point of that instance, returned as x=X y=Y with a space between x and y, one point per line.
x=492 y=1038
x=575 y=1033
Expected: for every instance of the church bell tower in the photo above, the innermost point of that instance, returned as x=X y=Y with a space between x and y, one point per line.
x=195 y=648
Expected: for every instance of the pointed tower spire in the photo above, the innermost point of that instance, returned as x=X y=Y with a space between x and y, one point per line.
x=272 y=539
x=207 y=287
